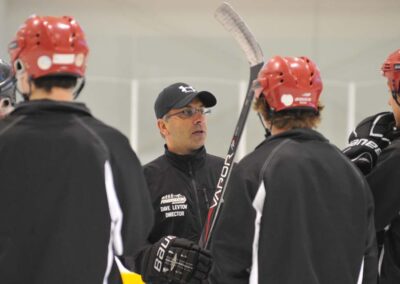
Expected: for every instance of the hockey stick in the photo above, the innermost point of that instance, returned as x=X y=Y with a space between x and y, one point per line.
x=234 y=24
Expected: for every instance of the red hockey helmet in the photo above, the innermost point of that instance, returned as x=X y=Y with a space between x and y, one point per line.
x=48 y=45
x=391 y=70
x=289 y=82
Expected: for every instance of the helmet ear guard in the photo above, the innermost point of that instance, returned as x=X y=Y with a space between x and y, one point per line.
x=18 y=66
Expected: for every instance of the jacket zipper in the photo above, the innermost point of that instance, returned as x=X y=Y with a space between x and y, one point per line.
x=196 y=196
x=206 y=197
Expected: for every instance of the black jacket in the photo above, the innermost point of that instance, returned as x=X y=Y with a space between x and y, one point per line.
x=181 y=188
x=296 y=211
x=72 y=196
x=384 y=182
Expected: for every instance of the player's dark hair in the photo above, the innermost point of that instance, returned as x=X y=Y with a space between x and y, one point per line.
x=292 y=118
x=48 y=82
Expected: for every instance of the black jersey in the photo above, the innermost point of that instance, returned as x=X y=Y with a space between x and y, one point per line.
x=181 y=188
x=383 y=180
x=72 y=197
x=296 y=211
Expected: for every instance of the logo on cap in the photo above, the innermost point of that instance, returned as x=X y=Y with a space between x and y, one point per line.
x=187 y=89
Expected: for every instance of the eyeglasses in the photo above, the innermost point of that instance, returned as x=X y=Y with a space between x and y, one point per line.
x=189 y=112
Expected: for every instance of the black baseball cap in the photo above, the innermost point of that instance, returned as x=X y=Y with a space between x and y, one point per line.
x=179 y=95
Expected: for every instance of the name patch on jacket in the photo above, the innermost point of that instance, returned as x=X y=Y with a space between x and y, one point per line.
x=173 y=205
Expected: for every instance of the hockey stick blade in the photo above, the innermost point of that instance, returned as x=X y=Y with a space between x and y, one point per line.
x=234 y=24
x=246 y=40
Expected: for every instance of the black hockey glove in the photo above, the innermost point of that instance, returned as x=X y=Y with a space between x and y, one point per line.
x=370 y=137
x=175 y=259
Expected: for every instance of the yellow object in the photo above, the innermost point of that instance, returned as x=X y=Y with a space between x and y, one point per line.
x=131 y=278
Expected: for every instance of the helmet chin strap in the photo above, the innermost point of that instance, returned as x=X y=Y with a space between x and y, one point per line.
x=25 y=96
x=395 y=96
x=263 y=122
x=267 y=131
x=81 y=84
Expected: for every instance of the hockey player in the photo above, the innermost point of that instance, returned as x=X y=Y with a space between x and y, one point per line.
x=182 y=181
x=73 y=195
x=296 y=210
x=375 y=148
x=7 y=89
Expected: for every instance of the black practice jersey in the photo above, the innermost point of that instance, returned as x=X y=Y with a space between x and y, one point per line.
x=72 y=197
x=383 y=182
x=296 y=211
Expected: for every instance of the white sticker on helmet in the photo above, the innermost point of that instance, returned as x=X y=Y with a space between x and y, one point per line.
x=44 y=62
x=63 y=58
x=79 y=59
x=287 y=99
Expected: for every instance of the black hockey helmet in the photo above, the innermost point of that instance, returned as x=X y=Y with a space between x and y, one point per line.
x=7 y=83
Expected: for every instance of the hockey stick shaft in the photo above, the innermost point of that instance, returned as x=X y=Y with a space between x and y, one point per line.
x=217 y=201
x=233 y=23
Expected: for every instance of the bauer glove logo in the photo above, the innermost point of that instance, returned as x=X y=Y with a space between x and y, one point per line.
x=161 y=253
x=365 y=142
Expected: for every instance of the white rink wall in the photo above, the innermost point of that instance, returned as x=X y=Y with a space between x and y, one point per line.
x=139 y=47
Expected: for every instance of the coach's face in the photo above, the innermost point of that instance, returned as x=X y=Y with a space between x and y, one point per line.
x=185 y=129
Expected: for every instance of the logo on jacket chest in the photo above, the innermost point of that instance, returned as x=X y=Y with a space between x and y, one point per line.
x=173 y=205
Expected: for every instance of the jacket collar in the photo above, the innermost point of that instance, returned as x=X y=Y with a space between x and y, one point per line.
x=297 y=134
x=187 y=163
x=40 y=106
x=302 y=134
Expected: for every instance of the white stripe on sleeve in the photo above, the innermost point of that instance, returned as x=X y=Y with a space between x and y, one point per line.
x=361 y=274
x=258 y=204
x=115 y=246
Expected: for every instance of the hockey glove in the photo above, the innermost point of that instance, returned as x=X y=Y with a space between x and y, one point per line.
x=178 y=260
x=370 y=137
